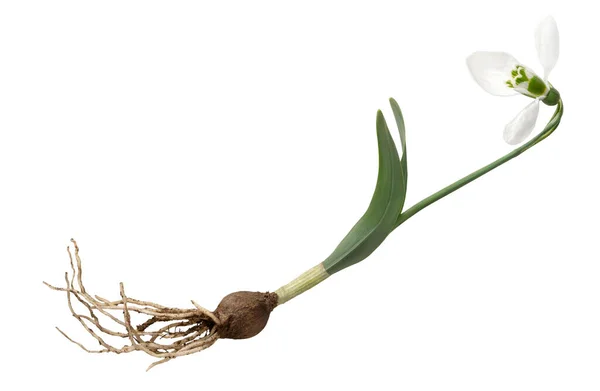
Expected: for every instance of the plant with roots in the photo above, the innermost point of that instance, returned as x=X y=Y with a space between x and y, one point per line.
x=166 y=333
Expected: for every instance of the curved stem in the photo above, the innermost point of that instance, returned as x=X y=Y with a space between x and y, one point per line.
x=550 y=127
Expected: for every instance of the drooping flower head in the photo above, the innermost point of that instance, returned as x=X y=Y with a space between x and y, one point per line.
x=500 y=74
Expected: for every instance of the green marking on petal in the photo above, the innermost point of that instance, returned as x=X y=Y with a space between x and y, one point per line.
x=519 y=75
x=536 y=86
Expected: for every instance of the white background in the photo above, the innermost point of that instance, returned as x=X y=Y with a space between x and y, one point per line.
x=196 y=149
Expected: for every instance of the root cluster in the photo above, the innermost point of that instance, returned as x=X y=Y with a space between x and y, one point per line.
x=166 y=333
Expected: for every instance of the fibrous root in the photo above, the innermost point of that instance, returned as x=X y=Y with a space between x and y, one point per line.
x=166 y=333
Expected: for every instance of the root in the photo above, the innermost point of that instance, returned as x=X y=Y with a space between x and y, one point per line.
x=166 y=333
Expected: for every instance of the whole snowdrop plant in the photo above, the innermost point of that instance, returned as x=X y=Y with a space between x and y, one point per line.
x=500 y=74
x=125 y=324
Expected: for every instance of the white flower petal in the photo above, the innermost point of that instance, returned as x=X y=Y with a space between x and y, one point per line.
x=519 y=128
x=491 y=70
x=546 y=44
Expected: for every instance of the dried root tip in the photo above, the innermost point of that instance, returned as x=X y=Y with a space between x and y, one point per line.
x=165 y=333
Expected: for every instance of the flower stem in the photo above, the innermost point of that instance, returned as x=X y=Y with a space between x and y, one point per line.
x=550 y=127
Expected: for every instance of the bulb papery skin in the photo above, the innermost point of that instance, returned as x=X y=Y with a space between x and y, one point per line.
x=526 y=82
x=552 y=97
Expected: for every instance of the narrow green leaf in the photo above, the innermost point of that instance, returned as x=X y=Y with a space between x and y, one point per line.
x=379 y=219
x=402 y=130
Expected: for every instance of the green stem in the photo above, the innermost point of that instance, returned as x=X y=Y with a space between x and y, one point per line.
x=550 y=127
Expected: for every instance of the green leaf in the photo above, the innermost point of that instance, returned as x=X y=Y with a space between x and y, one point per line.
x=402 y=130
x=385 y=207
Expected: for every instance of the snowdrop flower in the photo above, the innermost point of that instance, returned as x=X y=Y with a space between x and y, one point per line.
x=501 y=74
